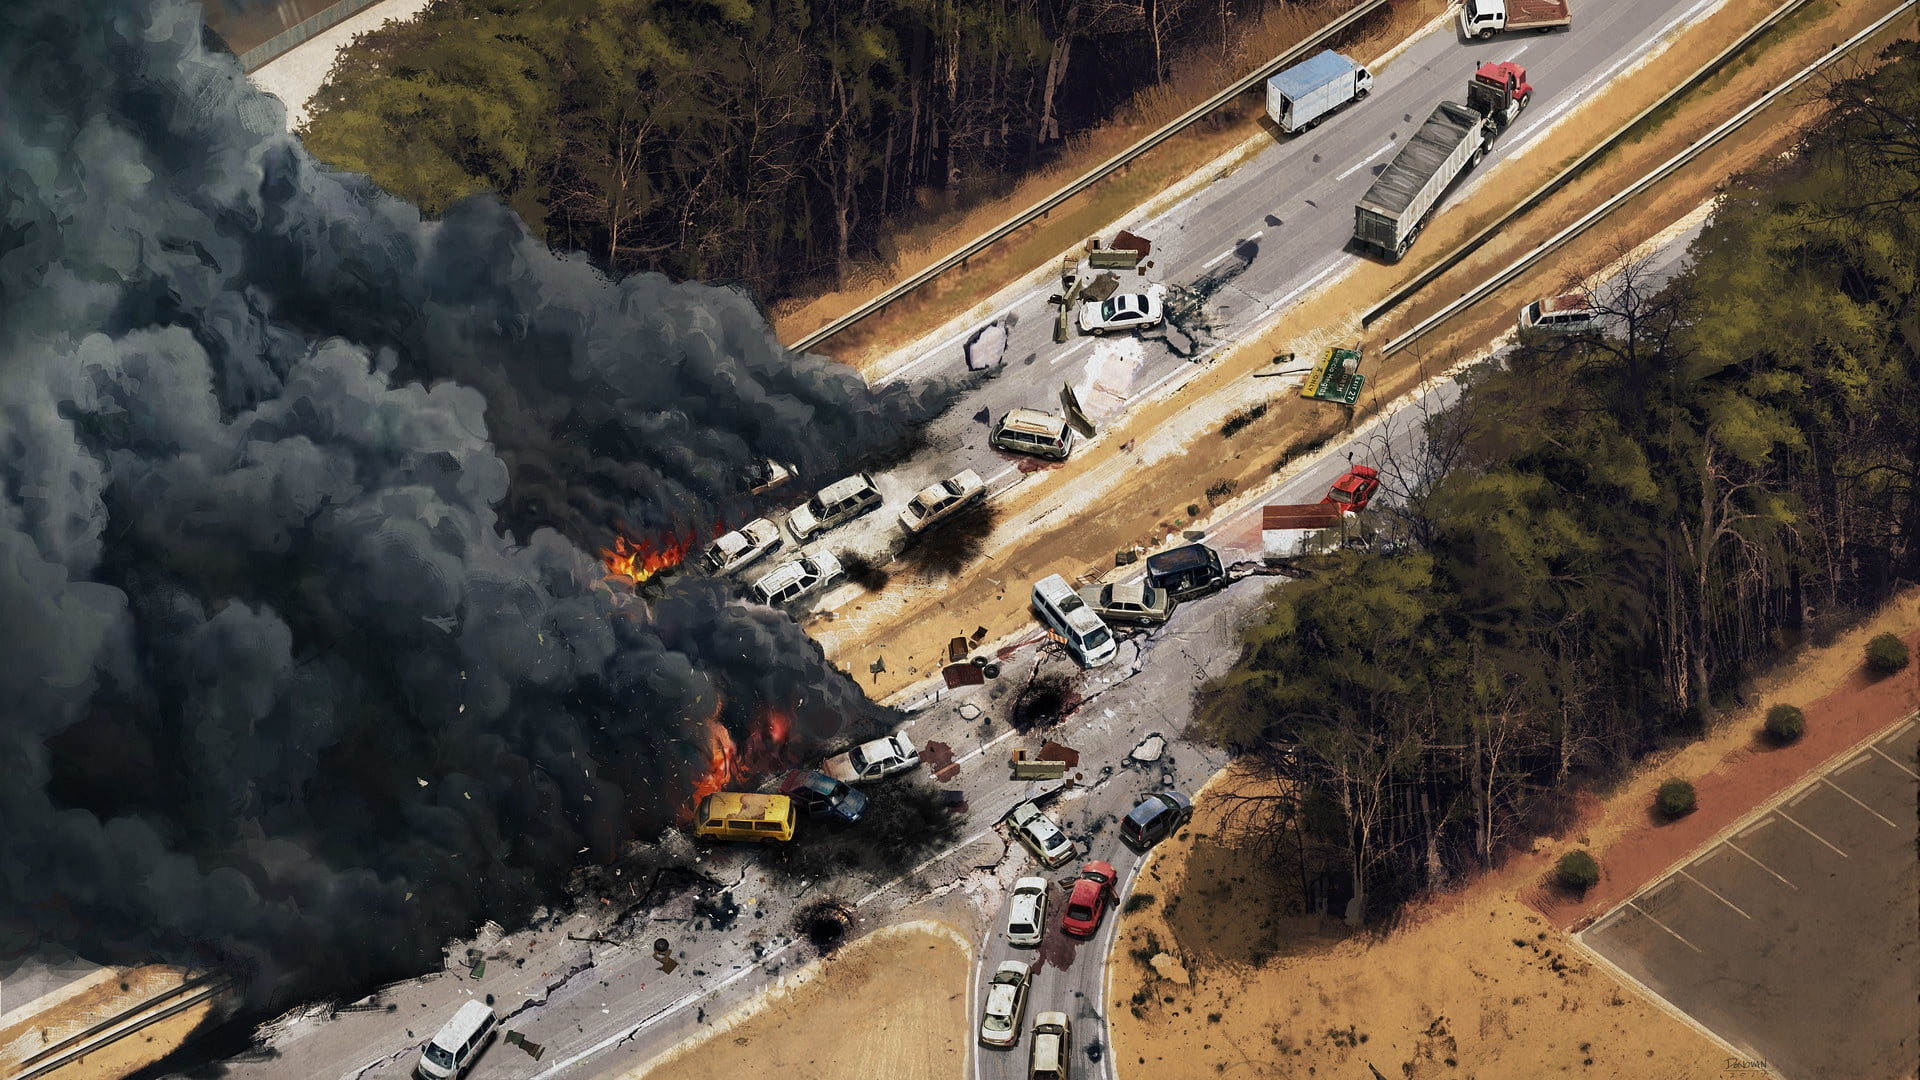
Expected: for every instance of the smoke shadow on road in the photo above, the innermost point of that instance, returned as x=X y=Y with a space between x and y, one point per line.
x=905 y=822
x=954 y=544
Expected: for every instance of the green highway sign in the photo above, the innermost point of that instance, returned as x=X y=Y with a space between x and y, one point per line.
x=1335 y=377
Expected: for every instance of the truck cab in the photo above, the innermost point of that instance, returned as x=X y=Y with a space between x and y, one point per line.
x=1499 y=91
x=1484 y=18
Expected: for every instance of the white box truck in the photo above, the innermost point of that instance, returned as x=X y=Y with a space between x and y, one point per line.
x=1298 y=97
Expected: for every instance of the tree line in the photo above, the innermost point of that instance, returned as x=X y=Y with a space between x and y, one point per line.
x=1607 y=535
x=760 y=141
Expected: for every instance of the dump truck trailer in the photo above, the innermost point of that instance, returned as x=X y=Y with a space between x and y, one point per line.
x=1485 y=18
x=1288 y=532
x=1298 y=97
x=1453 y=139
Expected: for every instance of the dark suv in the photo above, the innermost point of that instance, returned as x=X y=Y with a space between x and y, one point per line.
x=822 y=796
x=1186 y=571
x=1157 y=817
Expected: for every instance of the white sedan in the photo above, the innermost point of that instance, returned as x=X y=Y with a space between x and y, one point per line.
x=1124 y=311
x=1006 y=998
x=741 y=546
x=1042 y=835
x=1027 y=911
x=942 y=499
x=872 y=761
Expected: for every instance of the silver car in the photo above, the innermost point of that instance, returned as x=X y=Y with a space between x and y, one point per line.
x=876 y=760
x=1139 y=604
x=1042 y=835
x=1006 y=1000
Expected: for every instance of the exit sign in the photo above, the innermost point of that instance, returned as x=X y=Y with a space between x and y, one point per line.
x=1335 y=377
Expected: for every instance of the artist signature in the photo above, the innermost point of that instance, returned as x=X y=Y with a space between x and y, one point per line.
x=1745 y=1064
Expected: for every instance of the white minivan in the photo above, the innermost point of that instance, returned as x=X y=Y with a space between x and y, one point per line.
x=1571 y=313
x=455 y=1048
x=1062 y=611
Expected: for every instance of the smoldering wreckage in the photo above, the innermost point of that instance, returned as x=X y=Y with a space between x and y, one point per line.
x=312 y=666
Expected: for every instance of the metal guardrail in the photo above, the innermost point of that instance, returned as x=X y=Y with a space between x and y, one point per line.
x=284 y=41
x=1093 y=176
x=190 y=993
x=1668 y=167
x=1540 y=194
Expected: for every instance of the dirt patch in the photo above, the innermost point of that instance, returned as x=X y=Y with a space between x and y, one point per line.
x=1132 y=191
x=1475 y=985
x=910 y=981
x=1133 y=487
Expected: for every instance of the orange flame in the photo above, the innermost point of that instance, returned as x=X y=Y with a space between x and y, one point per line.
x=721 y=758
x=727 y=762
x=640 y=560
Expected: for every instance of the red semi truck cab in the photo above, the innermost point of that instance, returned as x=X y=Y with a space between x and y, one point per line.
x=1499 y=91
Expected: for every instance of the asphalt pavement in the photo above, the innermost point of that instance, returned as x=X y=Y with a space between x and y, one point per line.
x=1242 y=250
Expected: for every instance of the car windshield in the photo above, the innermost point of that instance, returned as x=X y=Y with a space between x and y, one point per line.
x=1342 y=494
x=1021 y=929
x=997 y=1010
x=1098 y=638
x=1116 y=307
x=1079 y=911
x=858 y=760
x=439 y=1056
x=816 y=507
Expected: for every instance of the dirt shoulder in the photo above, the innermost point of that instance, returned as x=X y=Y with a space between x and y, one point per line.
x=102 y=1001
x=1153 y=181
x=1477 y=984
x=1133 y=486
x=825 y=1021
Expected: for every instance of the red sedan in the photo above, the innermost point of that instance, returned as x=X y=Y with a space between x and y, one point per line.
x=1353 y=490
x=1088 y=900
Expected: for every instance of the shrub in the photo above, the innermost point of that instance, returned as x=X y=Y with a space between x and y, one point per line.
x=1577 y=870
x=1139 y=901
x=1786 y=723
x=1676 y=798
x=1886 y=654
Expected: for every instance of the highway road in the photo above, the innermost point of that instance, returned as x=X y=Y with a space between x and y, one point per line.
x=595 y=1007
x=1248 y=245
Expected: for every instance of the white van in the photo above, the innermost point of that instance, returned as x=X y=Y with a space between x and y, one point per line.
x=1030 y=431
x=458 y=1045
x=1571 y=313
x=1062 y=611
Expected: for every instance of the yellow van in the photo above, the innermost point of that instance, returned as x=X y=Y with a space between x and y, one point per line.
x=745 y=815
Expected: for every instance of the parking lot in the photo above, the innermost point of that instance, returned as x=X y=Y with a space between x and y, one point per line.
x=1796 y=938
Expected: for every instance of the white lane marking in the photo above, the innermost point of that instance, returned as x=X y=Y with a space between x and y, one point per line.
x=1895 y=764
x=1857 y=802
x=1580 y=94
x=1208 y=265
x=1763 y=866
x=974 y=1053
x=1715 y=895
x=1075 y=351
x=1002 y=475
x=1106 y=956
x=1362 y=163
x=1310 y=283
x=961 y=336
x=1518 y=51
x=1811 y=833
x=1663 y=926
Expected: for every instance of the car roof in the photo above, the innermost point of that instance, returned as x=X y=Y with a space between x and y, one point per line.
x=780 y=577
x=1190 y=557
x=462 y=1023
x=1564 y=302
x=1039 y=883
x=1135 y=593
x=844 y=487
x=1150 y=807
x=1034 y=422
x=826 y=562
x=811 y=781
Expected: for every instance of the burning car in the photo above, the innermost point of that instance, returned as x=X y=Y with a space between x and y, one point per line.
x=765 y=475
x=742 y=546
x=876 y=760
x=942 y=499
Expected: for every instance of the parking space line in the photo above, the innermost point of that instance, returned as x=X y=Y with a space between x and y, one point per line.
x=1715 y=895
x=1894 y=763
x=1763 y=866
x=1858 y=803
x=1636 y=906
x=1783 y=814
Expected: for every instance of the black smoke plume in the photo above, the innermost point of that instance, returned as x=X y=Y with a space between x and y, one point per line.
x=307 y=666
